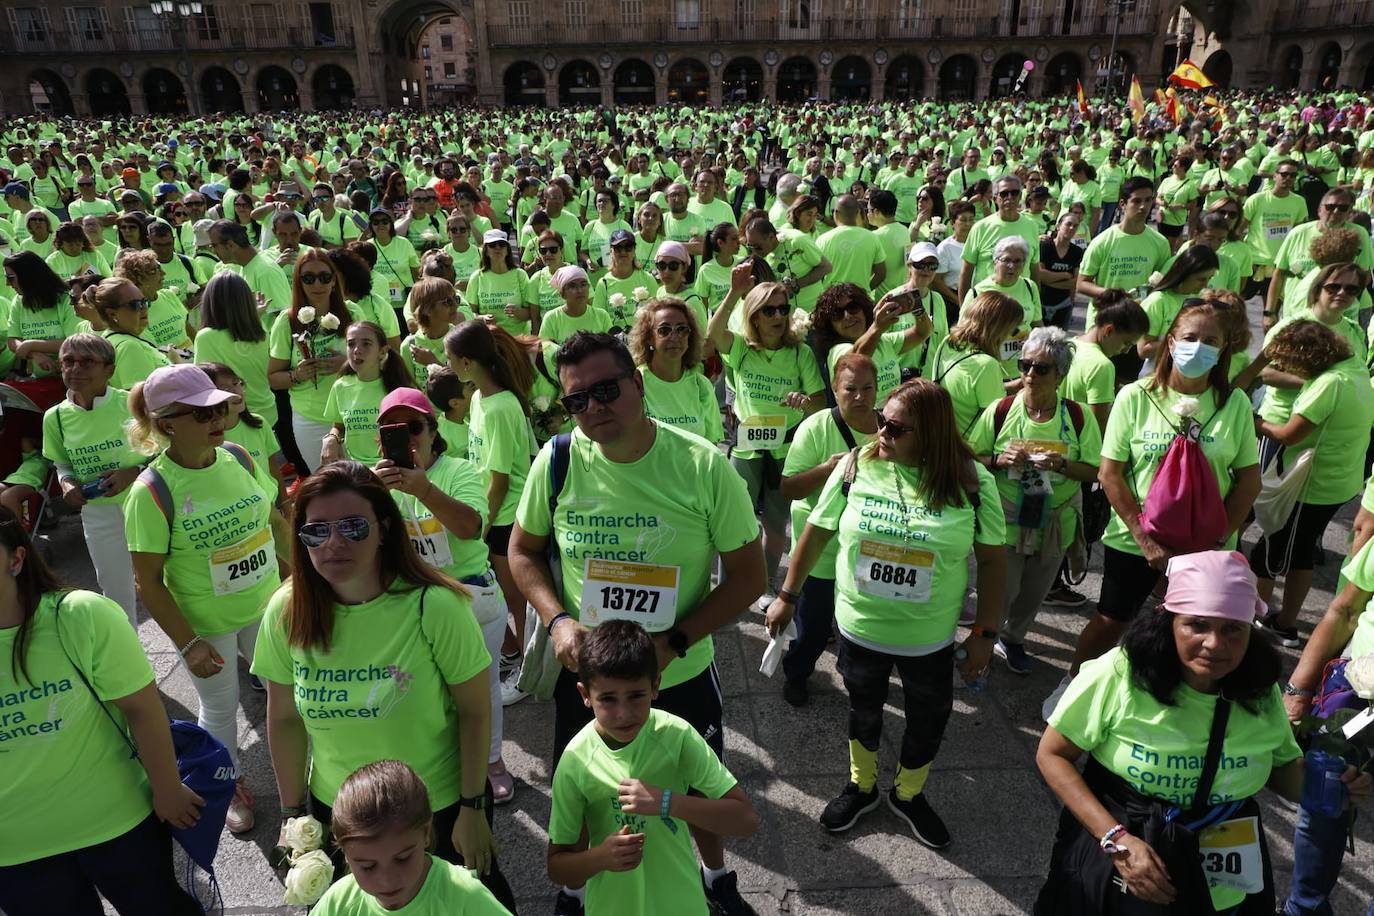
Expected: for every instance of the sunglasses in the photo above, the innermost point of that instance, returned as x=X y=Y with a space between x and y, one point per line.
x=551 y=249
x=773 y=311
x=138 y=305
x=1336 y=208
x=624 y=246
x=1350 y=289
x=926 y=265
x=891 y=427
x=672 y=330
x=322 y=277
x=604 y=392
x=320 y=200
x=1030 y=366
x=668 y=265
x=352 y=527
x=1007 y=194
x=200 y=414
x=853 y=308
x=414 y=427
x=1287 y=174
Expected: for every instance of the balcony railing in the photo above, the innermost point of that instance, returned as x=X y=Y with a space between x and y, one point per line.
x=1353 y=13
x=226 y=37
x=617 y=31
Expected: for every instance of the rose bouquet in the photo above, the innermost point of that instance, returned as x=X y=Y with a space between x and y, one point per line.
x=311 y=871
x=307 y=339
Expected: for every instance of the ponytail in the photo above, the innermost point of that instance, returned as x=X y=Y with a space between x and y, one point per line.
x=141 y=430
x=496 y=351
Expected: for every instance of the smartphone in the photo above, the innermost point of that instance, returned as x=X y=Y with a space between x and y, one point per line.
x=396 y=444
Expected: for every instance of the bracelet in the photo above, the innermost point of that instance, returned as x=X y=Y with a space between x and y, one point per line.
x=666 y=803
x=291 y=374
x=1108 y=843
x=1292 y=691
x=561 y=615
x=790 y=597
x=187 y=648
x=292 y=810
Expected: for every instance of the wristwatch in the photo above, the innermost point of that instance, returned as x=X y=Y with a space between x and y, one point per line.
x=479 y=802
x=1292 y=691
x=982 y=631
x=677 y=641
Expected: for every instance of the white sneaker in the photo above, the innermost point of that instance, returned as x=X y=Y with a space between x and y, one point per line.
x=1051 y=701
x=510 y=693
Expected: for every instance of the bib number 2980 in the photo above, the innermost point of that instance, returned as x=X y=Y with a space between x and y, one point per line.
x=243 y=565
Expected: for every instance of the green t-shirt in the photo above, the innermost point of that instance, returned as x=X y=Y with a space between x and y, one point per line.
x=167 y=321
x=395 y=261
x=896 y=241
x=309 y=396
x=972 y=378
x=795 y=257
x=380 y=690
x=1359 y=571
x=987 y=232
x=262 y=446
x=1270 y=219
x=596 y=240
x=56 y=322
x=91 y=442
x=887 y=356
x=762 y=378
x=853 y=252
x=1143 y=425
x=1162 y=307
x=1340 y=403
x=689 y=403
x=667 y=753
x=489 y=293
x=1159 y=750
x=501 y=441
x=1176 y=192
x=267 y=279
x=901 y=567
x=1027 y=295
x=354 y=404
x=85 y=262
x=448 y=888
x=248 y=359
x=622 y=316
x=70 y=782
x=460 y=480
x=558 y=325
x=618 y=520
x=135 y=358
x=1294 y=256
x=1118 y=260
x=1277 y=405
x=712 y=283
x=1092 y=377
x=220 y=564
x=420 y=372
x=818 y=437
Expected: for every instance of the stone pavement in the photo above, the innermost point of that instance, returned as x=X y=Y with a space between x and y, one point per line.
x=791 y=762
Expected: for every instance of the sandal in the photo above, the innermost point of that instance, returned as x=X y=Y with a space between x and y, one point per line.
x=502 y=783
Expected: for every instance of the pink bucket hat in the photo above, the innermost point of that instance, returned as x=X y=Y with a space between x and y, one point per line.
x=1213 y=583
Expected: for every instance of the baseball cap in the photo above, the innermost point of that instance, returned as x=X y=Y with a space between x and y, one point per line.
x=1213 y=583
x=183 y=384
x=202 y=232
x=129 y=173
x=165 y=188
x=413 y=398
x=494 y=235
x=18 y=189
x=621 y=236
x=922 y=251
x=214 y=191
x=164 y=164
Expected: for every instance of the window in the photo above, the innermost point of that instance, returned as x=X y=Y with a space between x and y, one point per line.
x=322 y=24
x=575 y=13
x=145 y=25
x=446 y=42
x=632 y=13
x=207 y=23
x=797 y=13
x=851 y=12
x=30 y=23
x=688 y=14
x=429 y=74
x=450 y=69
x=87 y=22
x=264 y=19
x=908 y=13
x=424 y=52
x=519 y=12
x=744 y=13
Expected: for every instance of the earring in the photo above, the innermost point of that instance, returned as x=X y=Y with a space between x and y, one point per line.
x=14 y=572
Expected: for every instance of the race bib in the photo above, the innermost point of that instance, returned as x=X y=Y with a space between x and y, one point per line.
x=241 y=566
x=1277 y=230
x=395 y=292
x=1011 y=348
x=620 y=590
x=1039 y=447
x=1230 y=855
x=430 y=540
x=894 y=572
x=764 y=431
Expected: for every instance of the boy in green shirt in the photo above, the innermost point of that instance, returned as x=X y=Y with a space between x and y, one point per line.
x=626 y=776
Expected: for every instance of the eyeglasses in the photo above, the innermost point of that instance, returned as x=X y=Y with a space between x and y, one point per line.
x=352 y=527
x=84 y=362
x=1350 y=289
x=200 y=414
x=1336 y=208
x=1008 y=193
x=545 y=249
x=320 y=200
x=1011 y=262
x=604 y=392
x=891 y=427
x=668 y=265
x=773 y=311
x=672 y=330
x=138 y=305
x=1031 y=366
x=926 y=265
x=322 y=277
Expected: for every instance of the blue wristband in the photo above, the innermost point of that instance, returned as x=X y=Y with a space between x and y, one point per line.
x=663 y=807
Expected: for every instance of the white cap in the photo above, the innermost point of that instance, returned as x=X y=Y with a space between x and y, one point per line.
x=494 y=235
x=922 y=251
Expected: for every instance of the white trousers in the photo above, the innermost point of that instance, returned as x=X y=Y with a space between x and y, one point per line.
x=219 y=693
x=309 y=439
x=103 y=526
x=489 y=607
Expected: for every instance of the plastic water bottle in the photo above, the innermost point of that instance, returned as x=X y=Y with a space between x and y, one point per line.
x=974 y=686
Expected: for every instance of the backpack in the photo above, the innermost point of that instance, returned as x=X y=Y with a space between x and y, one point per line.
x=1183 y=509
x=162 y=494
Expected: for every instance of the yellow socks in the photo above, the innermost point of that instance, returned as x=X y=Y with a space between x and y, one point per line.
x=909 y=783
x=863 y=766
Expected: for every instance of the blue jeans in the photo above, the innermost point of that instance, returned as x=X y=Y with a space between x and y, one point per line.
x=1318 y=848
x=815 y=619
x=1108 y=217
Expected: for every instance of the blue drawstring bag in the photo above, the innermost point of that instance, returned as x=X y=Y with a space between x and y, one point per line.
x=207 y=770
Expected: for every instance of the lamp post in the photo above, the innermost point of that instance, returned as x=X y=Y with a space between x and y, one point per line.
x=1116 y=8
x=177 y=16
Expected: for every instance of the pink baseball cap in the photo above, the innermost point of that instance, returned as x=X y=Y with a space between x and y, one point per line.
x=1213 y=583
x=406 y=397
x=183 y=384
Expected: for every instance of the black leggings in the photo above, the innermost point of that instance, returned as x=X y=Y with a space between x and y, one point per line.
x=927 y=697
x=1295 y=545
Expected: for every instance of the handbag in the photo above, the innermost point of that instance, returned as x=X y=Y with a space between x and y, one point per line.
x=541 y=668
x=1281 y=492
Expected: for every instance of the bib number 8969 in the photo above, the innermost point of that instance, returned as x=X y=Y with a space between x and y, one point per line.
x=248 y=565
x=762 y=434
x=634 y=600
x=894 y=575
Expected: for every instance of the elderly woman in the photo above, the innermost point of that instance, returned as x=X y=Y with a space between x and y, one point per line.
x=1040 y=448
x=1185 y=716
x=1009 y=259
x=576 y=313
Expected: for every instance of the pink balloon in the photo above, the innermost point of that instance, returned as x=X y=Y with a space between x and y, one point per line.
x=1028 y=65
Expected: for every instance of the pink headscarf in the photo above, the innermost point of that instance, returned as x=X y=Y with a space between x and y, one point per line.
x=1213 y=583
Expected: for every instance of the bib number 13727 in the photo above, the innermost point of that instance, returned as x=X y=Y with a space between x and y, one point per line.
x=620 y=590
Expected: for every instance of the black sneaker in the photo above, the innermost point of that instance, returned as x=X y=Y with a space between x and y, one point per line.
x=921 y=818
x=1063 y=596
x=795 y=693
x=567 y=905
x=256 y=683
x=846 y=808
x=1014 y=654
x=724 y=896
x=1284 y=636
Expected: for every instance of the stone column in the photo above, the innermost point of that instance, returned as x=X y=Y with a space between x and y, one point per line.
x=81 y=104
x=551 y=90
x=717 y=89
x=305 y=94
x=660 y=87
x=137 y=103
x=823 y=86
x=770 y=87
x=607 y=91
x=879 y=88
x=250 y=98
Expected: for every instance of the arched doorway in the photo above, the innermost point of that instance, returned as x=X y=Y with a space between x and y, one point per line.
x=107 y=94
x=634 y=83
x=277 y=90
x=905 y=79
x=1062 y=74
x=164 y=92
x=219 y=90
x=1218 y=69
x=689 y=82
x=796 y=80
x=579 y=84
x=957 y=77
x=1367 y=79
x=524 y=84
x=333 y=88
x=1329 y=66
x=48 y=92
x=742 y=80
x=1290 y=69
x=1005 y=73
x=851 y=80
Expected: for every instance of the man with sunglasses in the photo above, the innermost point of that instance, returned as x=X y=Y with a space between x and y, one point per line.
x=335 y=227
x=1271 y=214
x=634 y=543
x=987 y=232
x=1294 y=257
x=799 y=264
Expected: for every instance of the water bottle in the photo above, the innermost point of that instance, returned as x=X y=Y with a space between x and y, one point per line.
x=1323 y=793
x=974 y=686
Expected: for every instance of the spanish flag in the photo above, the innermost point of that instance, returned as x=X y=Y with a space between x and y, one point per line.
x=1136 y=100
x=1082 y=99
x=1190 y=76
x=1159 y=97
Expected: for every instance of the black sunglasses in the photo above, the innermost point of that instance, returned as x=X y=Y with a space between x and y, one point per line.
x=201 y=414
x=414 y=427
x=668 y=265
x=550 y=249
x=773 y=311
x=624 y=246
x=1336 y=208
x=323 y=276
x=353 y=527
x=1029 y=365
x=458 y=230
x=891 y=427
x=139 y=305
x=1350 y=289
x=604 y=392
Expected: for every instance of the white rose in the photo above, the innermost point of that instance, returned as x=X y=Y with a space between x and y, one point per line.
x=1186 y=407
x=542 y=403
x=330 y=322
x=1360 y=673
x=304 y=834
x=618 y=299
x=1155 y=278
x=305 y=315
x=434 y=369
x=640 y=294
x=308 y=879
x=801 y=322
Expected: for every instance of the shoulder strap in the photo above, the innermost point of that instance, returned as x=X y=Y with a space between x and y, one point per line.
x=559 y=455
x=1075 y=410
x=57 y=624
x=186 y=263
x=845 y=432
x=851 y=471
x=941 y=377
x=240 y=454
x=161 y=493
x=999 y=415
x=975 y=496
x=1212 y=761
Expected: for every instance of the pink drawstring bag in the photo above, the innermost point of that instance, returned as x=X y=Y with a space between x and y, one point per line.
x=1183 y=510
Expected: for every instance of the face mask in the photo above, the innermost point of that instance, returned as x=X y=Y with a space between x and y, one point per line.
x=1194 y=358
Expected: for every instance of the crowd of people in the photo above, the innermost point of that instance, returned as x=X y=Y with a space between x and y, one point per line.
x=421 y=414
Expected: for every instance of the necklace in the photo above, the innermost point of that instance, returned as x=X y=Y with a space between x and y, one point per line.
x=1039 y=414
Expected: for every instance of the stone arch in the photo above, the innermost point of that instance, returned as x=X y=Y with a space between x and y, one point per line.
x=1062 y=75
x=904 y=79
x=106 y=93
x=47 y=88
x=523 y=84
x=1289 y=75
x=851 y=79
x=742 y=80
x=276 y=89
x=689 y=82
x=220 y=90
x=164 y=92
x=958 y=77
x=1329 y=60
x=332 y=87
x=395 y=28
x=579 y=83
x=633 y=83
x=797 y=79
x=1005 y=74
x=1218 y=68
